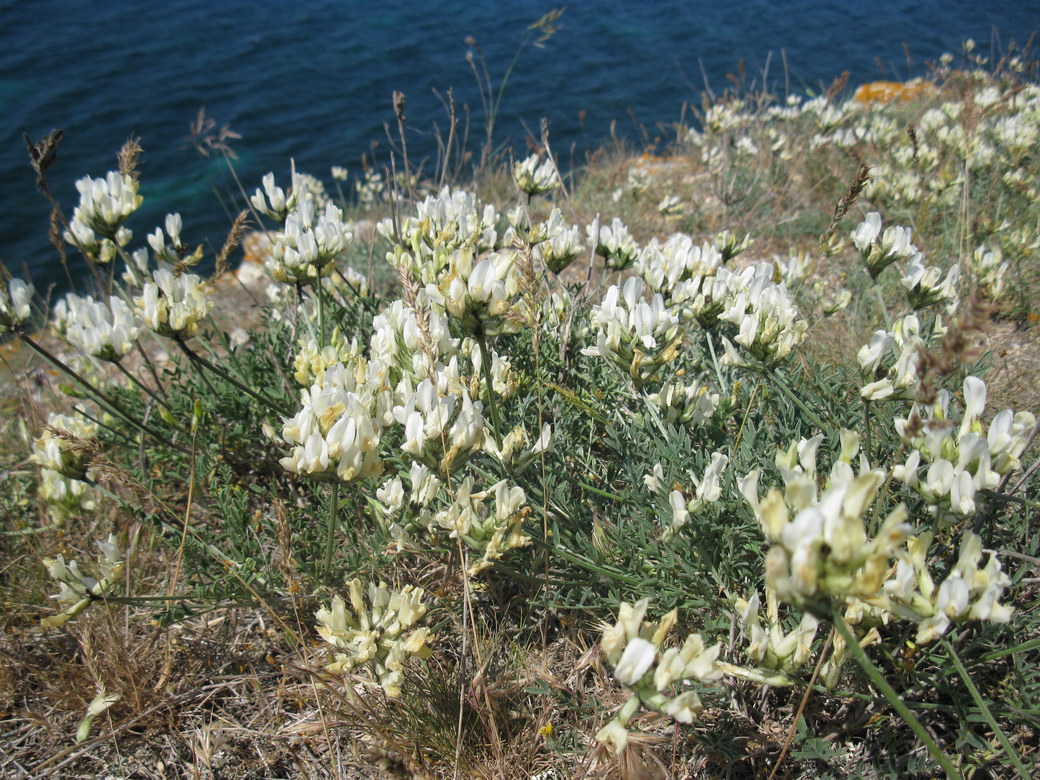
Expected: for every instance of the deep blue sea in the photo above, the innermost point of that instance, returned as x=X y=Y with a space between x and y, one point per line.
x=313 y=81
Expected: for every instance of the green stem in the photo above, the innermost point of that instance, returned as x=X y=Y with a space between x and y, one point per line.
x=981 y=704
x=330 y=533
x=98 y=397
x=890 y=694
x=197 y=358
x=809 y=413
x=144 y=388
x=321 y=314
x=867 y=437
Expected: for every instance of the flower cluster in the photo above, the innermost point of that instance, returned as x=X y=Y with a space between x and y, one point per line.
x=104 y=206
x=989 y=269
x=338 y=429
x=613 y=243
x=561 y=250
x=78 y=590
x=65 y=446
x=820 y=547
x=15 y=304
x=889 y=361
x=950 y=463
x=822 y=557
x=173 y=304
x=307 y=246
x=377 y=634
x=923 y=285
x=65 y=497
x=311 y=361
x=533 y=178
x=480 y=293
x=106 y=332
x=681 y=403
x=769 y=645
x=641 y=664
x=880 y=250
x=768 y=323
x=453 y=219
x=637 y=336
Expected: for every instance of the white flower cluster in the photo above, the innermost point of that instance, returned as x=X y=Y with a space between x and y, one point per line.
x=769 y=326
x=559 y=251
x=517 y=452
x=453 y=219
x=65 y=445
x=769 y=645
x=823 y=551
x=950 y=462
x=822 y=556
x=889 y=360
x=311 y=362
x=443 y=426
x=924 y=286
x=173 y=304
x=106 y=332
x=272 y=201
x=15 y=303
x=989 y=268
x=968 y=593
x=64 y=497
x=338 y=430
x=669 y=268
x=729 y=245
x=634 y=649
x=880 y=250
x=313 y=233
x=104 y=205
x=480 y=293
x=680 y=403
x=78 y=590
x=377 y=634
x=614 y=243
x=174 y=251
x=533 y=178
x=637 y=336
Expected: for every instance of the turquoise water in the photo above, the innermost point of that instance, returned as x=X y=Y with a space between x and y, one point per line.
x=313 y=81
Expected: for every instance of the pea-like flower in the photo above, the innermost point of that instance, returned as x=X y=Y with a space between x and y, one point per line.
x=924 y=285
x=613 y=243
x=950 y=463
x=639 y=337
x=66 y=445
x=378 y=634
x=534 y=178
x=104 y=205
x=15 y=304
x=107 y=332
x=769 y=325
x=337 y=431
x=173 y=304
x=880 y=250
x=642 y=664
x=480 y=293
x=78 y=590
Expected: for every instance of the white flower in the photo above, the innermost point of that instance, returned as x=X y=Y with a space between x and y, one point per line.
x=14 y=305
x=534 y=178
x=104 y=205
x=638 y=657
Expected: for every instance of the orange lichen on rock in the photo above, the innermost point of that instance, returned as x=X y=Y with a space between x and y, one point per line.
x=887 y=91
